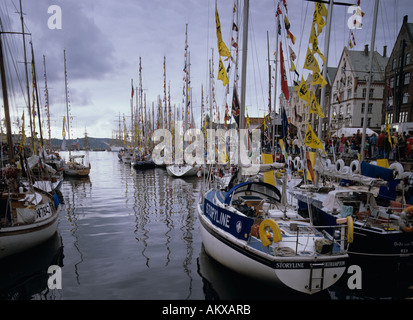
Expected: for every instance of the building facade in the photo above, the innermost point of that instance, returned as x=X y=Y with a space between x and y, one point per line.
x=349 y=90
x=398 y=96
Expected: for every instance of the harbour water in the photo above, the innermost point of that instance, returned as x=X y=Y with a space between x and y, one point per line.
x=134 y=235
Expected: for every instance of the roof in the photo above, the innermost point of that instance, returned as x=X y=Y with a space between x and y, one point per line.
x=360 y=64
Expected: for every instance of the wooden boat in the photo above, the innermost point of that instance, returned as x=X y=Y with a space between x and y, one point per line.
x=75 y=167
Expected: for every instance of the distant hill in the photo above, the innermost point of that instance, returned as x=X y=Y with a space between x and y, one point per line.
x=94 y=143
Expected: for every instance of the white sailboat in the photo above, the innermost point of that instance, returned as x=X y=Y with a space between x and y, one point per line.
x=184 y=169
x=250 y=231
x=28 y=216
x=76 y=166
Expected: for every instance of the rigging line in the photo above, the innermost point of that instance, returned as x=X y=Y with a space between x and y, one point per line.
x=256 y=68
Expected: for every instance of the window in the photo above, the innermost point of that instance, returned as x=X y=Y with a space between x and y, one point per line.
x=403 y=116
x=371 y=93
x=390 y=117
x=393 y=64
x=407 y=78
x=368 y=122
x=400 y=62
x=405 y=97
x=370 y=108
x=364 y=92
x=390 y=101
x=407 y=58
x=392 y=82
x=349 y=94
x=348 y=109
x=362 y=107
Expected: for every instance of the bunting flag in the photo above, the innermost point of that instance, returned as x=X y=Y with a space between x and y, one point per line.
x=222 y=73
x=64 y=126
x=293 y=56
x=234 y=27
x=278 y=12
x=315 y=107
x=350 y=44
x=222 y=48
x=235 y=106
x=286 y=23
x=234 y=43
x=248 y=122
x=310 y=62
x=133 y=92
x=292 y=68
x=290 y=36
x=303 y=91
x=388 y=131
x=284 y=83
x=318 y=79
x=311 y=140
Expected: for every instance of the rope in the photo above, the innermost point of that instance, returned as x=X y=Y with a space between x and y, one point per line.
x=284 y=251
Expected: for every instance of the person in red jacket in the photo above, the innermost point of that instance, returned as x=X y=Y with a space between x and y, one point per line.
x=409 y=146
x=380 y=145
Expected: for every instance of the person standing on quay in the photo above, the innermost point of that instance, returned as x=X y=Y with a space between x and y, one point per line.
x=380 y=145
x=373 y=145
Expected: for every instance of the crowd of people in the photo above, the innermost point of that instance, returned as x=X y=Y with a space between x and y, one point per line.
x=398 y=147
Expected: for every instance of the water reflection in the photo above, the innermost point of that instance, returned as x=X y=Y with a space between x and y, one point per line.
x=76 y=191
x=24 y=276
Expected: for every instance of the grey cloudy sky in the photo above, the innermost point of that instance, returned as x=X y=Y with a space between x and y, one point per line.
x=104 y=40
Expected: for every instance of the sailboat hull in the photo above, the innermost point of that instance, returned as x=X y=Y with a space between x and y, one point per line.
x=306 y=275
x=32 y=226
x=185 y=170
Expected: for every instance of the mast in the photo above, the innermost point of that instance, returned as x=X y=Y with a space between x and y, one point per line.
x=327 y=47
x=373 y=39
x=186 y=79
x=46 y=93
x=26 y=74
x=244 y=63
x=6 y=104
x=37 y=98
x=67 y=102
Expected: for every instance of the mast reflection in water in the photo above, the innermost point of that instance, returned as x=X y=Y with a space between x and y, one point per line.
x=134 y=235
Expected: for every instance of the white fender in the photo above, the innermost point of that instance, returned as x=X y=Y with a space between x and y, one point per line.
x=340 y=165
x=355 y=166
x=398 y=169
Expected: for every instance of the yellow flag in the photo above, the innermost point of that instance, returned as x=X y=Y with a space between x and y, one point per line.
x=388 y=131
x=312 y=141
x=310 y=62
x=222 y=48
x=321 y=9
x=313 y=34
x=318 y=79
x=303 y=91
x=248 y=122
x=318 y=19
x=222 y=73
x=315 y=107
x=292 y=68
x=64 y=125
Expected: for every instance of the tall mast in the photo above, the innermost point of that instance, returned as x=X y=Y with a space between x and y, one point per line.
x=373 y=38
x=26 y=74
x=46 y=93
x=327 y=47
x=244 y=63
x=67 y=101
x=186 y=78
x=37 y=97
x=6 y=103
